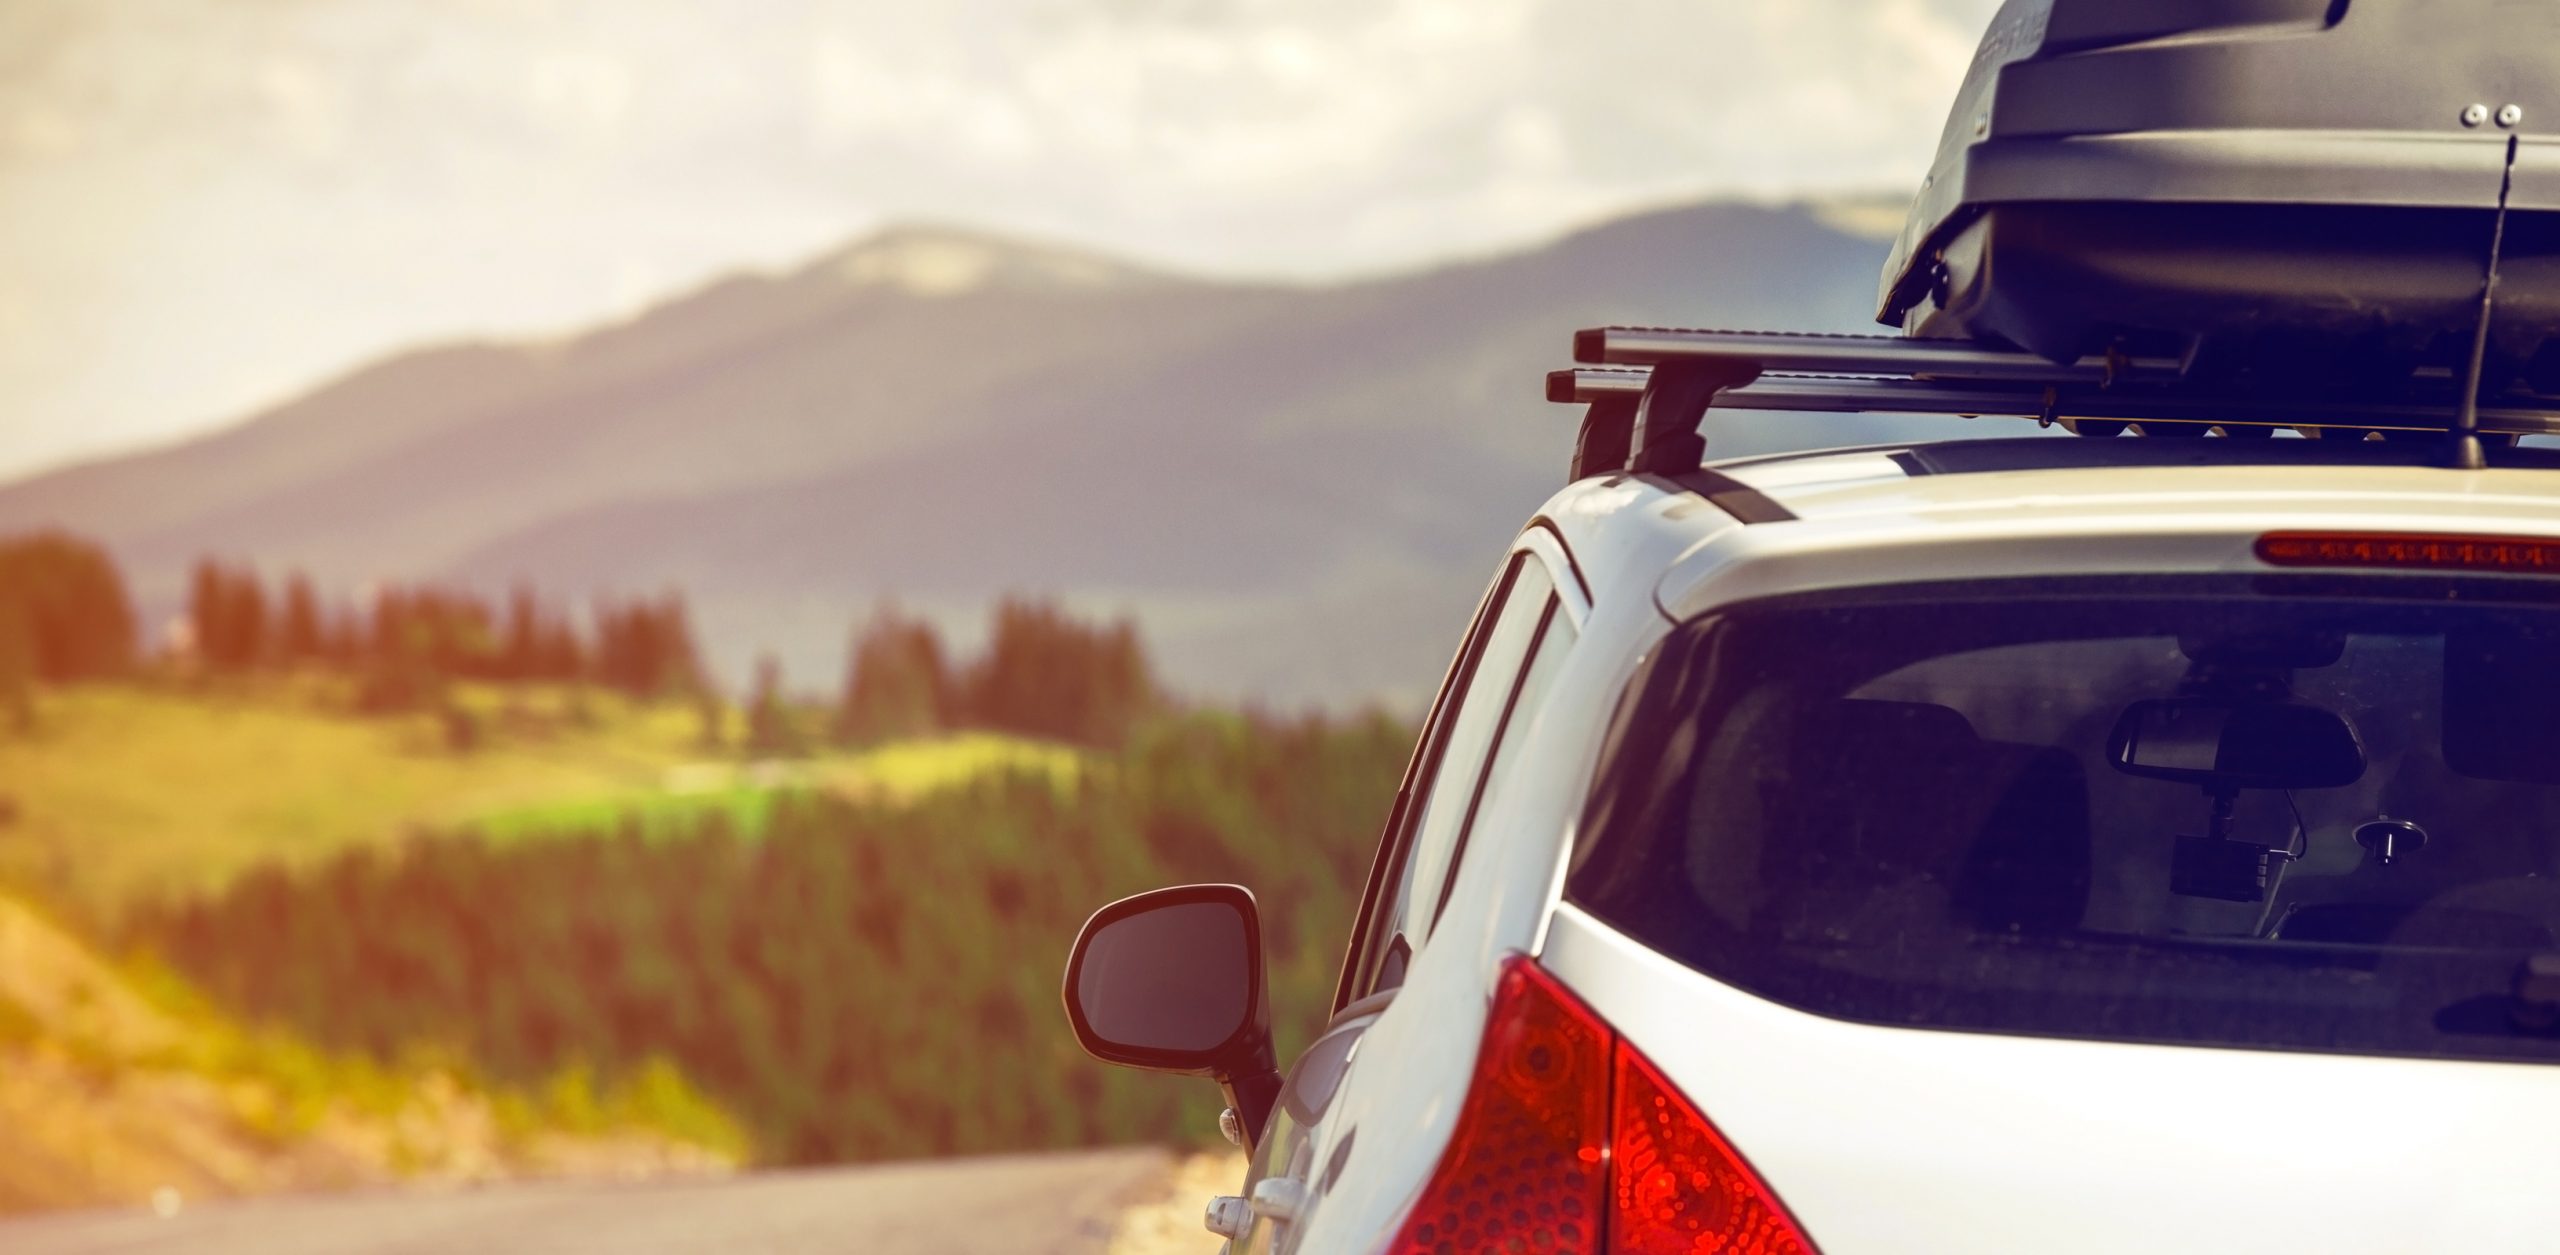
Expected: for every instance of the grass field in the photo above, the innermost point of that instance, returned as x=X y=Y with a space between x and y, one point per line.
x=127 y=790
x=746 y=792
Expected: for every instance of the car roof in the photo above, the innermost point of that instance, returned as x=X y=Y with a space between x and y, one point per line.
x=2405 y=481
x=1628 y=531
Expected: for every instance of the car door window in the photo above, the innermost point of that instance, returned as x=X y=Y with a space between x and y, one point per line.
x=1464 y=735
x=1546 y=658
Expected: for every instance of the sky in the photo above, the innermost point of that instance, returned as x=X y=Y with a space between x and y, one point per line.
x=207 y=206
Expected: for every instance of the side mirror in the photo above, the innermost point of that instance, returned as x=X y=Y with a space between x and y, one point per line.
x=2224 y=746
x=1172 y=981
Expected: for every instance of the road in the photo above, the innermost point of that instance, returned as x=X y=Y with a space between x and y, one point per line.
x=1066 y=1203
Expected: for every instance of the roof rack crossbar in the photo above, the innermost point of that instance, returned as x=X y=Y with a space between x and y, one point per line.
x=1860 y=395
x=1804 y=353
x=1649 y=389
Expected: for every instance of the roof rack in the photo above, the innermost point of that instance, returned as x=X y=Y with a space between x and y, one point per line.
x=1649 y=388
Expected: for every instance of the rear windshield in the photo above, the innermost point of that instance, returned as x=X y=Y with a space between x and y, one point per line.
x=2237 y=812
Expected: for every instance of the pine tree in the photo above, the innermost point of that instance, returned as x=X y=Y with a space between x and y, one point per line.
x=389 y=641
x=675 y=666
x=342 y=641
x=299 y=638
x=17 y=666
x=896 y=684
x=561 y=656
x=208 y=612
x=245 y=620
x=78 y=622
x=711 y=716
x=520 y=657
x=1046 y=675
x=619 y=664
x=769 y=728
x=399 y=674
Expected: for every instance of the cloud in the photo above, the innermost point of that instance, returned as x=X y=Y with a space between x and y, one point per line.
x=579 y=93
x=280 y=187
x=1321 y=136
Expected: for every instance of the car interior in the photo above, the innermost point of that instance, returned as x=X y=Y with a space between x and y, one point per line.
x=2358 y=787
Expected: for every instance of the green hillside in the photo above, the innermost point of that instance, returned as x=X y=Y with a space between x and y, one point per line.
x=118 y=1086
x=552 y=880
x=868 y=977
x=126 y=790
x=852 y=952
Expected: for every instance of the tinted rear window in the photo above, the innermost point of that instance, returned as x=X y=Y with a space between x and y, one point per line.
x=1971 y=808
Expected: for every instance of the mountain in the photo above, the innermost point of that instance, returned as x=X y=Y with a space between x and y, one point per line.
x=1299 y=489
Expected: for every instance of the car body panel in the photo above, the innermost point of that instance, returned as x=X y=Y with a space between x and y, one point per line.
x=1845 y=486
x=1897 y=1139
x=1925 y=1140
x=1866 y=530
x=1408 y=1073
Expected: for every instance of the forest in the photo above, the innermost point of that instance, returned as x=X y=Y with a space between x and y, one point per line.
x=857 y=981
x=1042 y=675
x=850 y=976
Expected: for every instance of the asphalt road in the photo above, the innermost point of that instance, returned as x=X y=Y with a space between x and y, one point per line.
x=1065 y=1203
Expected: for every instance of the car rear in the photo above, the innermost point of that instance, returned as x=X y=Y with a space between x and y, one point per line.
x=1902 y=918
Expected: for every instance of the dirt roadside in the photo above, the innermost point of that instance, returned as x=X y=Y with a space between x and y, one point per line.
x=1169 y=1224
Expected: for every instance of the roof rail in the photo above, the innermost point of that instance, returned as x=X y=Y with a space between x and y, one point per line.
x=1649 y=388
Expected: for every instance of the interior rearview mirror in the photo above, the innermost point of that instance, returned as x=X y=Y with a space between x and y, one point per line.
x=2222 y=745
x=1172 y=981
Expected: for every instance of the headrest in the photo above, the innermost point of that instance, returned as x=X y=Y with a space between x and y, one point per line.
x=1859 y=727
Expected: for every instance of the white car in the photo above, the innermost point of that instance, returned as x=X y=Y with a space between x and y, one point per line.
x=2033 y=844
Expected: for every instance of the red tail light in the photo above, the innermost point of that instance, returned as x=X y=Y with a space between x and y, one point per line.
x=1678 y=1186
x=1525 y=1169
x=2531 y=555
x=1571 y=1142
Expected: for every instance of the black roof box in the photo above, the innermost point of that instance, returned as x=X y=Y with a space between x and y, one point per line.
x=2243 y=178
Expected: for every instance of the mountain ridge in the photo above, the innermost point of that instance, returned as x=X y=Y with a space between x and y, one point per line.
x=1298 y=489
